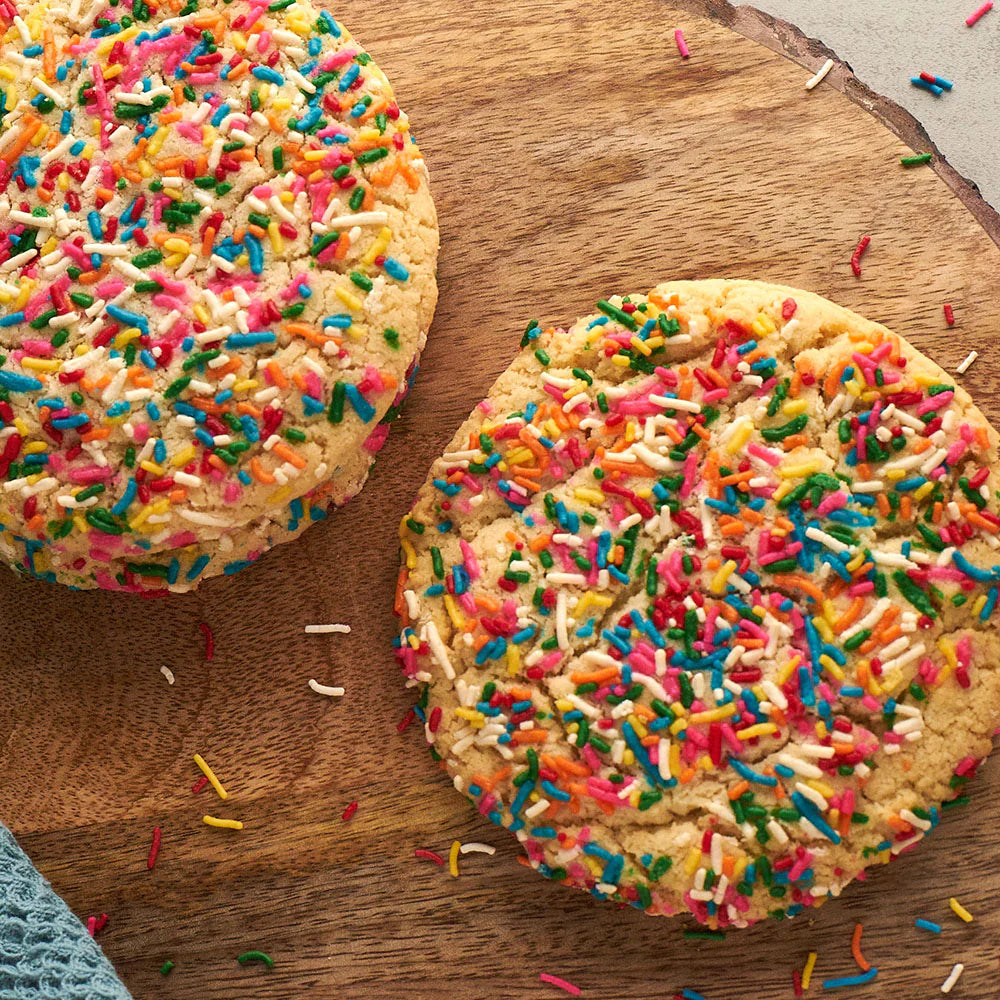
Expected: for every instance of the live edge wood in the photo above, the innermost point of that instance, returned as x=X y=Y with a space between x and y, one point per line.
x=573 y=154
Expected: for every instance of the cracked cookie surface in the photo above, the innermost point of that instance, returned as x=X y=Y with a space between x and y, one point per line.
x=701 y=599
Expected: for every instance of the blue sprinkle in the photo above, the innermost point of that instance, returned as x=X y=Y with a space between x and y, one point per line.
x=269 y=75
x=18 y=383
x=349 y=77
x=154 y=411
x=927 y=925
x=127 y=497
x=362 y=407
x=221 y=112
x=147 y=359
x=77 y=420
x=859 y=980
x=126 y=316
x=750 y=774
x=395 y=270
x=12 y=319
x=340 y=321
x=160 y=451
x=251 y=339
x=204 y=437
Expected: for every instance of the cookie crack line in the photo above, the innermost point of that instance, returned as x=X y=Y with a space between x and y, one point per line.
x=699 y=602
x=215 y=284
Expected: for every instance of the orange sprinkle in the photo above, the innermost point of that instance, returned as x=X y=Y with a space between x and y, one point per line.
x=530 y=735
x=289 y=455
x=863 y=963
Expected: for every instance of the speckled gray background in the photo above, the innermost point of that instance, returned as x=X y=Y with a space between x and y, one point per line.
x=888 y=41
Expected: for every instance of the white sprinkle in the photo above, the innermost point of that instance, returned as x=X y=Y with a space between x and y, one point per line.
x=168 y=673
x=324 y=629
x=670 y=403
x=477 y=849
x=815 y=81
x=947 y=985
x=330 y=692
x=967 y=363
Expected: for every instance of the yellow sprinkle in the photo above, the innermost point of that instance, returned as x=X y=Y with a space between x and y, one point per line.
x=832 y=667
x=177 y=245
x=210 y=774
x=823 y=627
x=807 y=971
x=675 y=760
x=126 y=336
x=761 y=729
x=513 y=660
x=637 y=725
x=41 y=364
x=201 y=314
x=794 y=406
x=820 y=786
x=714 y=714
x=456 y=616
x=801 y=470
x=184 y=456
x=245 y=384
x=921 y=491
x=718 y=584
x=621 y=361
x=453 y=858
x=739 y=437
x=277 y=243
x=151 y=467
x=411 y=555
x=35 y=447
x=783 y=488
x=787 y=668
x=692 y=860
x=979 y=604
x=641 y=346
x=763 y=325
x=378 y=246
x=349 y=300
x=960 y=910
x=80 y=523
x=222 y=824
x=588 y=495
x=628 y=758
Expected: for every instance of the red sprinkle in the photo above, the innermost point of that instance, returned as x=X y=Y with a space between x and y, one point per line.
x=209 y=640
x=788 y=308
x=405 y=720
x=429 y=855
x=199 y=785
x=949 y=314
x=349 y=811
x=856 y=256
x=797 y=982
x=154 y=849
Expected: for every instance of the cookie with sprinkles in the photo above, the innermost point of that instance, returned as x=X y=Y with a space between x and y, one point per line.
x=216 y=277
x=701 y=600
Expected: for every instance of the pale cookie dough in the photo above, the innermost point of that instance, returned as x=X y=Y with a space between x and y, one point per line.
x=216 y=278
x=701 y=600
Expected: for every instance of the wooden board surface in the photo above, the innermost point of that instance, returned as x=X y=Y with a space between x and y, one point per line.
x=573 y=155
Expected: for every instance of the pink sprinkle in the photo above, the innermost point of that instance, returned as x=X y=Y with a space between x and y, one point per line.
x=685 y=52
x=545 y=977
x=972 y=18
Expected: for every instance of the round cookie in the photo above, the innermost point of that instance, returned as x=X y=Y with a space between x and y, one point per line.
x=217 y=275
x=701 y=600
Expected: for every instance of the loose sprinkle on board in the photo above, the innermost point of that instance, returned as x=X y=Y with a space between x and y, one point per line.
x=691 y=995
x=949 y=314
x=168 y=673
x=938 y=81
x=210 y=774
x=931 y=88
x=199 y=785
x=820 y=75
x=960 y=911
x=563 y=984
x=967 y=363
x=349 y=811
x=927 y=925
x=255 y=956
x=856 y=256
x=326 y=629
x=154 y=849
x=209 y=640
x=948 y=984
x=478 y=849
x=915 y=161
x=166 y=967
x=330 y=692
x=863 y=964
x=681 y=44
x=222 y=824
x=808 y=969
x=420 y=852
x=860 y=980
x=453 y=858
x=975 y=16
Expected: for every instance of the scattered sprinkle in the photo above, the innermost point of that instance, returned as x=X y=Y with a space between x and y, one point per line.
x=914 y=161
x=933 y=88
x=166 y=968
x=949 y=314
x=199 y=785
x=326 y=629
x=420 y=852
x=681 y=47
x=938 y=81
x=863 y=964
x=456 y=846
x=330 y=692
x=210 y=774
x=807 y=971
x=856 y=256
x=168 y=673
x=967 y=363
x=928 y=925
x=691 y=995
x=255 y=956
x=946 y=986
x=154 y=849
x=985 y=9
x=820 y=75
x=222 y=824
x=859 y=980
x=960 y=911
x=349 y=811
x=209 y=640
x=563 y=984
x=475 y=848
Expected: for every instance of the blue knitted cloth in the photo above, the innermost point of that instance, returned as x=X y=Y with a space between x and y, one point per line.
x=45 y=952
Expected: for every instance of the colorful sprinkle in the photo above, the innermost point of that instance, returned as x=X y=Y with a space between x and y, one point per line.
x=820 y=75
x=154 y=849
x=210 y=775
x=682 y=47
x=561 y=983
x=222 y=824
x=976 y=15
x=256 y=956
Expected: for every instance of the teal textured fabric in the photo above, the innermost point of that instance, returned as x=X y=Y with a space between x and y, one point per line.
x=45 y=952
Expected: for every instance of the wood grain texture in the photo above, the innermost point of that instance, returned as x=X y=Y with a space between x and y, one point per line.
x=573 y=155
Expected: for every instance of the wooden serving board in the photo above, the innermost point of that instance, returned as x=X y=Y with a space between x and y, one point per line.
x=573 y=155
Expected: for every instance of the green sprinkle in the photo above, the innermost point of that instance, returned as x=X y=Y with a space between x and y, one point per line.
x=336 y=412
x=372 y=155
x=166 y=967
x=857 y=639
x=619 y=315
x=794 y=426
x=660 y=868
x=357 y=197
x=322 y=243
x=177 y=387
x=259 y=956
x=437 y=562
x=362 y=281
x=705 y=935
x=391 y=337
x=81 y=299
x=542 y=356
x=962 y=800
x=913 y=161
x=278 y=158
x=914 y=594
